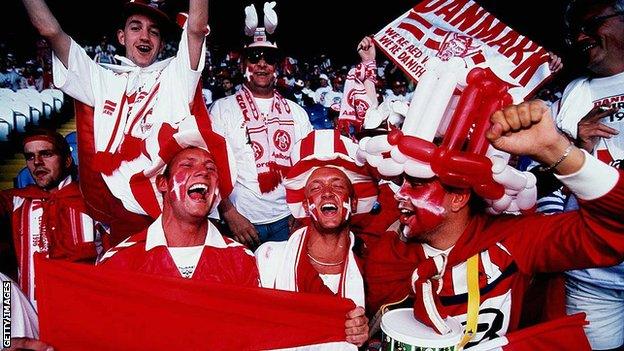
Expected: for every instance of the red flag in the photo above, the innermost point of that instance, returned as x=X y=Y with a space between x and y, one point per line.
x=95 y=308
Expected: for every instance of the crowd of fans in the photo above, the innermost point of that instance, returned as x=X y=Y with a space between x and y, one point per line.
x=298 y=191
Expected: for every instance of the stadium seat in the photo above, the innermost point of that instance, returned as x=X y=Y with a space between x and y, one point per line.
x=23 y=178
x=318 y=117
x=7 y=120
x=23 y=114
x=57 y=102
x=33 y=99
x=7 y=92
x=48 y=104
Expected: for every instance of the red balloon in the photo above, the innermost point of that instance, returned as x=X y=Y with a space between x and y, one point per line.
x=416 y=148
x=394 y=136
x=490 y=190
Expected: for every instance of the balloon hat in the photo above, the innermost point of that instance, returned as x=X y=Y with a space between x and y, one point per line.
x=464 y=158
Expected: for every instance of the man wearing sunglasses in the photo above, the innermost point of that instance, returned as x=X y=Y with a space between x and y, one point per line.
x=591 y=113
x=261 y=126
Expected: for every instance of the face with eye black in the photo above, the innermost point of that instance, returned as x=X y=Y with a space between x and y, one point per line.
x=142 y=39
x=189 y=187
x=329 y=197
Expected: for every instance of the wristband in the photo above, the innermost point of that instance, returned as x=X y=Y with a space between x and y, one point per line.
x=566 y=152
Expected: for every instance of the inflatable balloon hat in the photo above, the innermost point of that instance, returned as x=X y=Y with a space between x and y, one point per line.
x=259 y=34
x=327 y=148
x=391 y=113
x=464 y=159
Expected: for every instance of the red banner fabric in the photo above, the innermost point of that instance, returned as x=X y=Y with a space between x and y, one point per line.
x=95 y=308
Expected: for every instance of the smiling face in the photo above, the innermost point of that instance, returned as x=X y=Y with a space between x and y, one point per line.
x=45 y=163
x=329 y=198
x=422 y=203
x=601 y=40
x=259 y=67
x=142 y=39
x=190 y=186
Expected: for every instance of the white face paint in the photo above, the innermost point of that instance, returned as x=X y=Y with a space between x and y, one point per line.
x=347 y=209
x=312 y=212
x=248 y=74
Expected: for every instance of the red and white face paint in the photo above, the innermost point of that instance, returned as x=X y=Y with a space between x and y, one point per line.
x=421 y=205
x=328 y=196
x=192 y=183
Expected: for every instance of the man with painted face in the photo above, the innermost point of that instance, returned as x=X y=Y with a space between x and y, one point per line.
x=590 y=113
x=323 y=256
x=182 y=242
x=119 y=106
x=442 y=228
x=261 y=126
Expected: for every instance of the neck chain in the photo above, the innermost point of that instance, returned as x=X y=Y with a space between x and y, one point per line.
x=326 y=264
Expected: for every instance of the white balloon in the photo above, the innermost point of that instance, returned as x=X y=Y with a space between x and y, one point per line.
x=501 y=204
x=418 y=169
x=389 y=168
x=397 y=155
x=378 y=144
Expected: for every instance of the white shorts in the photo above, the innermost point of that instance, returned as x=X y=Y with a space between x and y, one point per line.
x=605 y=312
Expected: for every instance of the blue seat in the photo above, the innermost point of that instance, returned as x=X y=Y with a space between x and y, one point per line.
x=319 y=117
x=23 y=178
x=72 y=140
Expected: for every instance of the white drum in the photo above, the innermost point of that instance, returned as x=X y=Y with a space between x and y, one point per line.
x=402 y=332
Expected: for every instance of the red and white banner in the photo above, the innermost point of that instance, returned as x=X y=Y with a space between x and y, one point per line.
x=461 y=28
x=84 y=307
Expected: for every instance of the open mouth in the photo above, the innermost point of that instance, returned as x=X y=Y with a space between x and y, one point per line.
x=406 y=214
x=585 y=46
x=197 y=192
x=329 y=209
x=144 y=48
x=40 y=173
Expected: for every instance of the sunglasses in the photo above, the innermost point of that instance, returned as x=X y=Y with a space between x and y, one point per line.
x=588 y=27
x=269 y=56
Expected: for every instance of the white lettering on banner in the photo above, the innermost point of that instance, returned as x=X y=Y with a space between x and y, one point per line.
x=462 y=28
x=6 y=314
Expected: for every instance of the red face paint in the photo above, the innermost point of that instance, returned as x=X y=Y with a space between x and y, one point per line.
x=420 y=203
x=328 y=194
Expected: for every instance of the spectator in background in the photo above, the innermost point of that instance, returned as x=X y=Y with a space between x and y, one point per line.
x=590 y=114
x=261 y=127
x=105 y=52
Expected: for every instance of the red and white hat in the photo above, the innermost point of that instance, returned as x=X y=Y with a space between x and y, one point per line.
x=327 y=148
x=259 y=34
x=137 y=189
x=152 y=8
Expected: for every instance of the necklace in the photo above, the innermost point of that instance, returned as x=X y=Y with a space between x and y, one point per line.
x=321 y=263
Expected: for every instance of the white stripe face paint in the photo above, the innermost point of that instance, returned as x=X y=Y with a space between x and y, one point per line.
x=347 y=209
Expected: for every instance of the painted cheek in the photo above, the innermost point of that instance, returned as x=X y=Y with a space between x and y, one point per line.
x=179 y=179
x=312 y=209
x=346 y=205
x=428 y=210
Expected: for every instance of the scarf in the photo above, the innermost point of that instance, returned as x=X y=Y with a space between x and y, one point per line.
x=576 y=102
x=391 y=275
x=271 y=138
x=358 y=97
x=297 y=273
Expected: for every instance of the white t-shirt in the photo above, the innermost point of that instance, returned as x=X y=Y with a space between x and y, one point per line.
x=186 y=258
x=130 y=100
x=227 y=120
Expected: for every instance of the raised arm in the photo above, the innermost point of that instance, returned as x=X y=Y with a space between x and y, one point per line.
x=197 y=29
x=47 y=25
